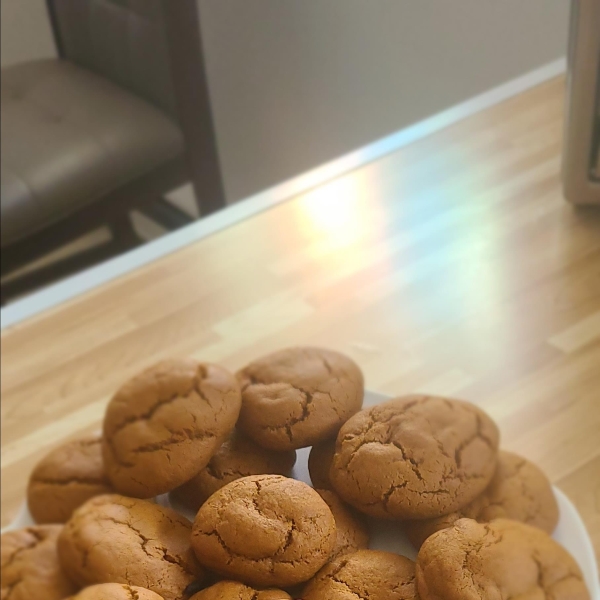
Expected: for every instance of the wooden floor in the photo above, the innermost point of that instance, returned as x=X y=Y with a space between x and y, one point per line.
x=452 y=266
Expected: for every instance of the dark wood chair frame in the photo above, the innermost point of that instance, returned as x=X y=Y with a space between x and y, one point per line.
x=199 y=164
x=582 y=132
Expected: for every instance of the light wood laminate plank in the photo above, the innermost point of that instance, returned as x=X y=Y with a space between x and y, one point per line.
x=452 y=266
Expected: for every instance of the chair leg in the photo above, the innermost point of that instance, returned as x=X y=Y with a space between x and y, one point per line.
x=123 y=233
x=209 y=195
x=165 y=213
x=580 y=185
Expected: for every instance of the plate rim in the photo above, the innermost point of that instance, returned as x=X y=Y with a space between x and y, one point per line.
x=589 y=551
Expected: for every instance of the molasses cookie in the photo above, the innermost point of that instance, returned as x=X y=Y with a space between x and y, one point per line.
x=232 y=590
x=116 y=591
x=443 y=454
x=113 y=539
x=30 y=567
x=351 y=527
x=518 y=491
x=501 y=559
x=298 y=397
x=162 y=427
x=66 y=478
x=364 y=574
x=265 y=530
x=238 y=457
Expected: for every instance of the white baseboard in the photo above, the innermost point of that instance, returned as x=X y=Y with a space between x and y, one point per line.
x=87 y=280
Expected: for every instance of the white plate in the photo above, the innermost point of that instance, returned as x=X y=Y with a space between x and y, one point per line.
x=387 y=535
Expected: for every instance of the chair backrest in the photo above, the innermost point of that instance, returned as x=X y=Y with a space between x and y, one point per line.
x=154 y=49
x=123 y=40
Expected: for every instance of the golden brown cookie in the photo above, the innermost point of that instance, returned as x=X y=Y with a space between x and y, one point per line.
x=116 y=591
x=30 y=567
x=320 y=460
x=264 y=530
x=238 y=457
x=66 y=478
x=501 y=559
x=518 y=491
x=162 y=427
x=351 y=526
x=368 y=574
x=298 y=397
x=113 y=539
x=415 y=457
x=232 y=590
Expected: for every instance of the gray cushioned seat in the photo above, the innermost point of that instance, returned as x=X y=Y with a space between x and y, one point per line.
x=69 y=137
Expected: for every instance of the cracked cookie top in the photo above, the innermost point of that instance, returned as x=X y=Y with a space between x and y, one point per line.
x=29 y=565
x=298 y=397
x=502 y=559
x=238 y=457
x=66 y=478
x=232 y=590
x=519 y=491
x=364 y=574
x=116 y=591
x=265 y=530
x=113 y=539
x=351 y=527
x=162 y=427
x=415 y=457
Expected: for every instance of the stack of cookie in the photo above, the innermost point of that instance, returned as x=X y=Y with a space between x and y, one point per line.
x=224 y=446
x=481 y=517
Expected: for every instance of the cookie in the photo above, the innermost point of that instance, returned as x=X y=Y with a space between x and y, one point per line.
x=415 y=457
x=501 y=559
x=116 y=591
x=351 y=527
x=519 y=491
x=238 y=457
x=298 y=397
x=320 y=460
x=162 y=427
x=66 y=478
x=368 y=574
x=264 y=530
x=113 y=539
x=232 y=590
x=30 y=567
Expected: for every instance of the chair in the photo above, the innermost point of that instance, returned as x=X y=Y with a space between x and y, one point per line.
x=118 y=120
x=581 y=156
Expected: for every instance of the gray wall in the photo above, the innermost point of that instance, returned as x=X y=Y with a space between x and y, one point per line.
x=296 y=83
